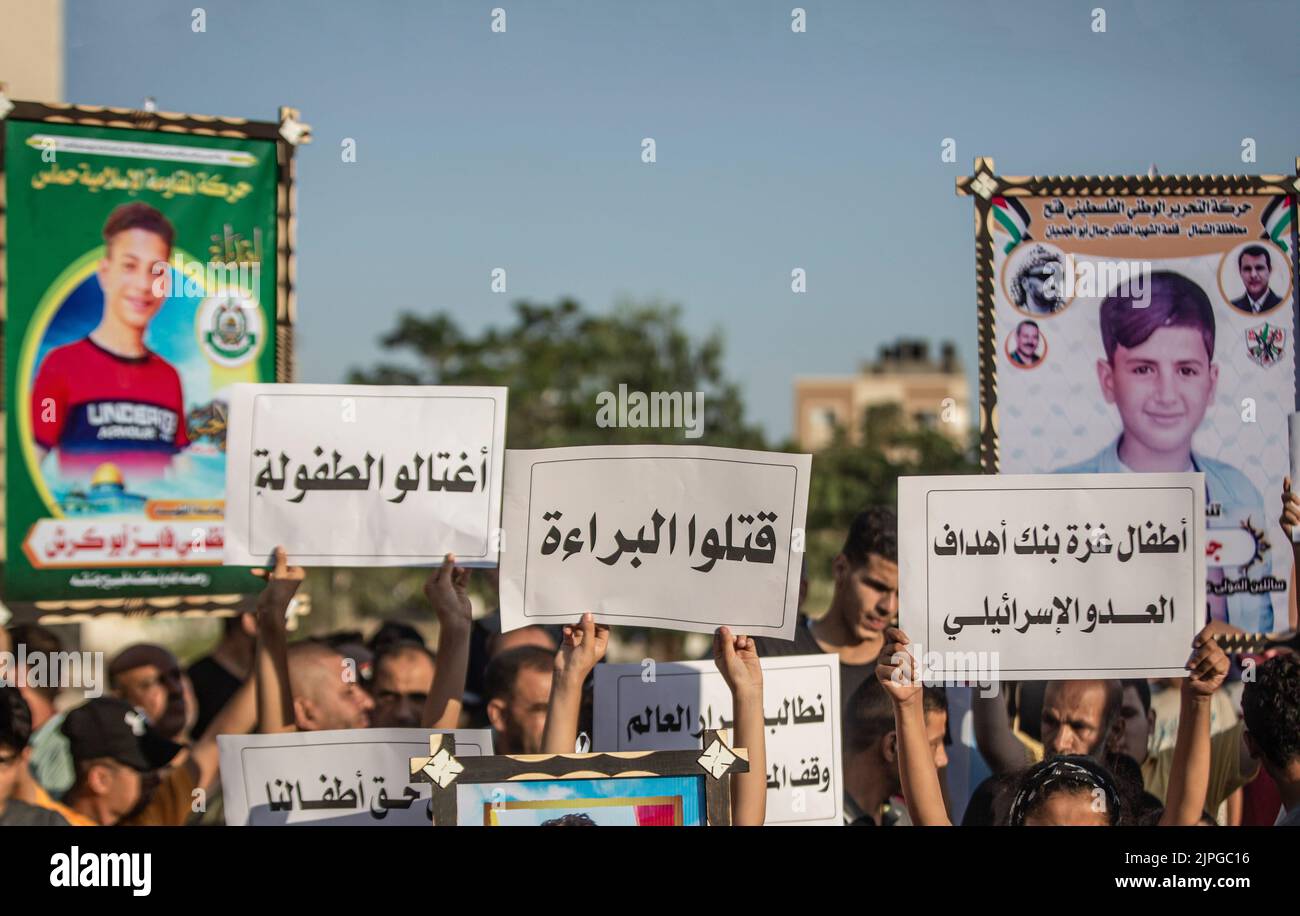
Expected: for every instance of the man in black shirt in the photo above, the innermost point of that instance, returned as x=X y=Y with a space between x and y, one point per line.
x=217 y=677
x=864 y=602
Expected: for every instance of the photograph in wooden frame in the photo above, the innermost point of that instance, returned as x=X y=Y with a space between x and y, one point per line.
x=81 y=164
x=1165 y=355
x=638 y=788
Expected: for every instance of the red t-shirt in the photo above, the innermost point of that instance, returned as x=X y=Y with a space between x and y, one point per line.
x=95 y=407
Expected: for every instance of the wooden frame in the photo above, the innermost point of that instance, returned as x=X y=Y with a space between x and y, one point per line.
x=986 y=184
x=715 y=766
x=288 y=133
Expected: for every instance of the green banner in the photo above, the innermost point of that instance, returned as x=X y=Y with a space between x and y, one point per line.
x=139 y=283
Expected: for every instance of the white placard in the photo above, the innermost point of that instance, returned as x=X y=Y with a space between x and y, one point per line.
x=1024 y=577
x=364 y=475
x=351 y=777
x=675 y=537
x=801 y=707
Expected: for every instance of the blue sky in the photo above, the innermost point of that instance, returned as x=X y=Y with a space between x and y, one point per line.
x=775 y=150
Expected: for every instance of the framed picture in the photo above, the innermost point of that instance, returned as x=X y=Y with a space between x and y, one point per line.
x=688 y=788
x=1169 y=302
x=148 y=264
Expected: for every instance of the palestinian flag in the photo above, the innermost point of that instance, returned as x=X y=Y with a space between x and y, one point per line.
x=1013 y=219
x=1277 y=223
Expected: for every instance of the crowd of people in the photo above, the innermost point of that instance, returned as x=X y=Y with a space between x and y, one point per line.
x=1218 y=747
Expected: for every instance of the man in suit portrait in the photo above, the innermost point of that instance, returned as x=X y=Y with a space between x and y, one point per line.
x=1255 y=267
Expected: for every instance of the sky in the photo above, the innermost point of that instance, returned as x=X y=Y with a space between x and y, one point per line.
x=775 y=150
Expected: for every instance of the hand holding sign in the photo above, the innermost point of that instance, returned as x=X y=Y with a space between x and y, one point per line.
x=447 y=590
x=737 y=661
x=1290 y=519
x=1208 y=665
x=896 y=668
x=282 y=581
x=582 y=648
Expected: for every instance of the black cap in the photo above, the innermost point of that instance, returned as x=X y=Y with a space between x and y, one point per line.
x=113 y=728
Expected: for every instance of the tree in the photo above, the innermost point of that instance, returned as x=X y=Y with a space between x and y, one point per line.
x=847 y=477
x=556 y=361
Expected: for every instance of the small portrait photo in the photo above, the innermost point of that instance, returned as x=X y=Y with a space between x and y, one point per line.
x=1026 y=345
x=641 y=801
x=1255 y=278
x=1033 y=279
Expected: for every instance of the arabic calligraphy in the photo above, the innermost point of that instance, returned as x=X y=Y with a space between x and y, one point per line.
x=332 y=474
x=1064 y=611
x=336 y=798
x=1041 y=540
x=758 y=547
x=181 y=182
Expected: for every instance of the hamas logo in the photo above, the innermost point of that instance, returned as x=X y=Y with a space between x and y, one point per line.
x=230 y=329
x=1264 y=343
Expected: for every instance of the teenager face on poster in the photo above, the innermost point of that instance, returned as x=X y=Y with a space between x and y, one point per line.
x=128 y=274
x=1159 y=370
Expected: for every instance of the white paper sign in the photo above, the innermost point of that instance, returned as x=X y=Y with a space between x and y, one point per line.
x=676 y=537
x=364 y=475
x=357 y=777
x=1024 y=577
x=801 y=707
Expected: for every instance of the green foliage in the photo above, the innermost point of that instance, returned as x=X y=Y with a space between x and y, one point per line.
x=556 y=360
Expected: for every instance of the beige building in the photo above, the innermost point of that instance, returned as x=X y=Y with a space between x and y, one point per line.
x=31 y=49
x=931 y=391
x=31 y=69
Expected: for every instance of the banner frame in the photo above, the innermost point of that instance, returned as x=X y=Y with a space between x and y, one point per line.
x=287 y=134
x=986 y=183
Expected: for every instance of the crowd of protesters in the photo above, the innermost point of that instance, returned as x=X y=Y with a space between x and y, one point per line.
x=1218 y=747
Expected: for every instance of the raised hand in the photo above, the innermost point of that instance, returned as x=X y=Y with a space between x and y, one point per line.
x=737 y=661
x=1290 y=509
x=447 y=590
x=1208 y=665
x=282 y=581
x=581 y=648
x=896 y=668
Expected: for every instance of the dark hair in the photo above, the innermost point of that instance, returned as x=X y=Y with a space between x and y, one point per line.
x=38 y=640
x=138 y=215
x=392 y=632
x=1026 y=322
x=874 y=530
x=503 y=670
x=392 y=649
x=1270 y=704
x=1173 y=301
x=869 y=713
x=570 y=820
x=15 y=719
x=1255 y=251
x=1143 y=688
x=1072 y=774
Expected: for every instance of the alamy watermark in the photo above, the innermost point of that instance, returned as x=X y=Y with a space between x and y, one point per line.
x=1097 y=278
x=82 y=671
x=975 y=669
x=658 y=409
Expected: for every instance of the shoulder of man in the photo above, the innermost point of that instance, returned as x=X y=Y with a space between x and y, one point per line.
x=170 y=804
x=21 y=814
x=802 y=644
